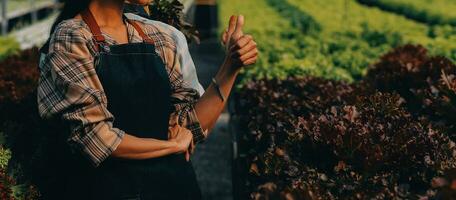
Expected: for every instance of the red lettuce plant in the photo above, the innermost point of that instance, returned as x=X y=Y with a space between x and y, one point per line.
x=427 y=84
x=19 y=120
x=171 y=12
x=18 y=75
x=385 y=137
x=6 y=182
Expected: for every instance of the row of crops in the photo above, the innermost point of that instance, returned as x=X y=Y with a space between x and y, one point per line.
x=433 y=12
x=348 y=101
x=333 y=39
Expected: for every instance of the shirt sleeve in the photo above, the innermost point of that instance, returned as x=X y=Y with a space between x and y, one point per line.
x=187 y=66
x=186 y=62
x=184 y=97
x=70 y=90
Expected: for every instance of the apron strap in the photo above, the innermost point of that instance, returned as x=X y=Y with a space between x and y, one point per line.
x=141 y=32
x=89 y=19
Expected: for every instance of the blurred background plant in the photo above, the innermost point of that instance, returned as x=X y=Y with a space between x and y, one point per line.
x=8 y=46
x=171 y=12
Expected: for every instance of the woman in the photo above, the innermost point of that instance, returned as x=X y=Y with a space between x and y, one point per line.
x=102 y=66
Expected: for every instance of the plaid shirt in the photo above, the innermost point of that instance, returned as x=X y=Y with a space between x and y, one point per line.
x=69 y=87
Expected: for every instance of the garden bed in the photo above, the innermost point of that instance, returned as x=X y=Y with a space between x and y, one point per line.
x=311 y=120
x=387 y=136
x=434 y=12
x=334 y=40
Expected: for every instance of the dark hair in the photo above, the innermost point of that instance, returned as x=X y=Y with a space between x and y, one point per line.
x=70 y=9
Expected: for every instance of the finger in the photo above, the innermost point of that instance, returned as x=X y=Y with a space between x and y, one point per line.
x=232 y=24
x=187 y=156
x=250 y=61
x=249 y=47
x=244 y=40
x=239 y=25
x=249 y=55
x=224 y=37
x=173 y=127
x=177 y=130
x=192 y=147
x=173 y=131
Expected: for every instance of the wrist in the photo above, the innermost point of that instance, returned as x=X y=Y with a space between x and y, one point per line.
x=229 y=68
x=173 y=146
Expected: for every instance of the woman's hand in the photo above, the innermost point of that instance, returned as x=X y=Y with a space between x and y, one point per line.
x=183 y=138
x=132 y=147
x=241 y=50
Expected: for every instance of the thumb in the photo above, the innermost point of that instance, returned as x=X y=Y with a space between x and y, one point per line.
x=224 y=37
x=239 y=26
x=232 y=25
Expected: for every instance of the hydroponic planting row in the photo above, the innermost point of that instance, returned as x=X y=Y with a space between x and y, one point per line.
x=433 y=12
x=351 y=37
x=286 y=46
x=279 y=48
x=379 y=29
x=312 y=138
x=388 y=135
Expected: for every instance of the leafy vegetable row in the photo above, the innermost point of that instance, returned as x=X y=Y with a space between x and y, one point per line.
x=432 y=12
x=381 y=30
x=331 y=39
x=311 y=138
x=279 y=47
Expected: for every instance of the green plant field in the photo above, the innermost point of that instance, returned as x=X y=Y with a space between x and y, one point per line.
x=343 y=39
x=276 y=51
x=400 y=75
x=282 y=46
x=336 y=16
x=432 y=12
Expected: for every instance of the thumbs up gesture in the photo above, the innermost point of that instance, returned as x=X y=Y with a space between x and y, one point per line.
x=241 y=50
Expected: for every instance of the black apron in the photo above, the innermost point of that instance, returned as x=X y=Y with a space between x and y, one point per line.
x=138 y=91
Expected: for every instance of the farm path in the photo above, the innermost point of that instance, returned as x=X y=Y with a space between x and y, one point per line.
x=212 y=159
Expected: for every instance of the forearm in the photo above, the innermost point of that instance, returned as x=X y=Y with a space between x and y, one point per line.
x=241 y=51
x=210 y=105
x=136 y=148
